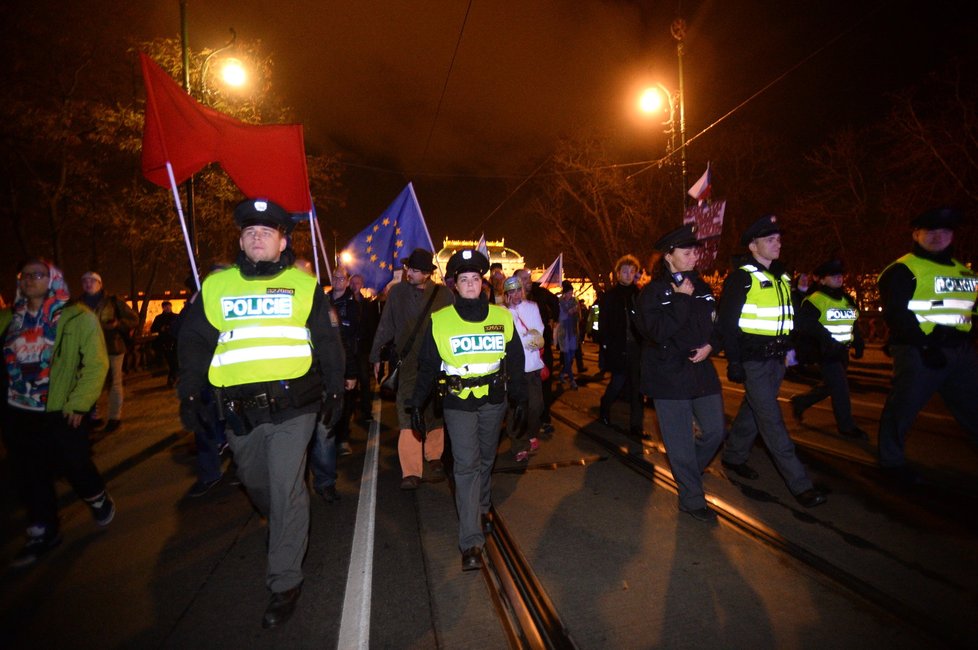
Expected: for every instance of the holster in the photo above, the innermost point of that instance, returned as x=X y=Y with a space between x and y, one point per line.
x=244 y=411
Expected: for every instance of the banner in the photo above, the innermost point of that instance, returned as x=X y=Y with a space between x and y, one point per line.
x=376 y=251
x=267 y=161
x=708 y=219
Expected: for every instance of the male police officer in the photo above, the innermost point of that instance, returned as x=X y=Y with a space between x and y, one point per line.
x=468 y=342
x=826 y=328
x=262 y=334
x=929 y=305
x=755 y=319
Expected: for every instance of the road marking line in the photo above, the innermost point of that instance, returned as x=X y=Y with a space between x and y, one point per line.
x=355 y=622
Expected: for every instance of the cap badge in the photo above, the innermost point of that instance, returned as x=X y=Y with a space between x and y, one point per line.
x=261 y=206
x=466 y=255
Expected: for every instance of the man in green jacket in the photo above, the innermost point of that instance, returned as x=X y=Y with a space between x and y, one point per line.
x=55 y=363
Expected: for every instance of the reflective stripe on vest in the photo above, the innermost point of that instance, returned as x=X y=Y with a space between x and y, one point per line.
x=472 y=349
x=837 y=315
x=943 y=295
x=261 y=324
x=767 y=310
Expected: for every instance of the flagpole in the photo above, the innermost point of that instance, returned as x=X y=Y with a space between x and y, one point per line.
x=183 y=223
x=414 y=197
x=322 y=247
x=312 y=236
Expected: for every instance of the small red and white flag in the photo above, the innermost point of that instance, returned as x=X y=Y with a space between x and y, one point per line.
x=700 y=190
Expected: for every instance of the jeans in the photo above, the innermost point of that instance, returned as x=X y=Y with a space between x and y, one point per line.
x=322 y=458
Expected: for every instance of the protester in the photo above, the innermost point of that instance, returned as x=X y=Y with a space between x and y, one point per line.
x=569 y=319
x=549 y=308
x=54 y=367
x=676 y=312
x=620 y=343
x=262 y=335
x=117 y=320
x=369 y=320
x=470 y=342
x=347 y=309
x=166 y=340
x=409 y=303
x=529 y=327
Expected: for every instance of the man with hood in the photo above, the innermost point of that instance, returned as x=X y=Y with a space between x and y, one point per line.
x=54 y=367
x=755 y=320
x=262 y=334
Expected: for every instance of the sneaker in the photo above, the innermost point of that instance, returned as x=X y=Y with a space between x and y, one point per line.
x=39 y=542
x=112 y=425
x=200 y=488
x=534 y=445
x=344 y=449
x=103 y=509
x=521 y=456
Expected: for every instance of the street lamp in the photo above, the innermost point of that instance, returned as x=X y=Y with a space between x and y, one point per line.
x=678 y=31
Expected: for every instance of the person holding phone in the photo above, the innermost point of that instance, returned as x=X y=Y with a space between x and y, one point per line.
x=676 y=312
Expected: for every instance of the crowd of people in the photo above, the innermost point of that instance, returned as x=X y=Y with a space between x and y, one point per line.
x=270 y=366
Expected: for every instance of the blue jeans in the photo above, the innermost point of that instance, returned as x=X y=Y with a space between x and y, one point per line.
x=322 y=458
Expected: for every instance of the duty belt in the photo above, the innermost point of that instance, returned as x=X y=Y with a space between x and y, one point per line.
x=457 y=383
x=261 y=401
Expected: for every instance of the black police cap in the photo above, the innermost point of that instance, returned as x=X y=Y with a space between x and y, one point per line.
x=467 y=259
x=766 y=225
x=682 y=237
x=830 y=267
x=937 y=218
x=262 y=212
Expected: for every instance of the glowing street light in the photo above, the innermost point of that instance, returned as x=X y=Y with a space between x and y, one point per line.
x=233 y=73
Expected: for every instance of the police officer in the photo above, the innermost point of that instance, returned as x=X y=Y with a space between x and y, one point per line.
x=263 y=336
x=755 y=319
x=928 y=302
x=826 y=327
x=472 y=346
x=676 y=314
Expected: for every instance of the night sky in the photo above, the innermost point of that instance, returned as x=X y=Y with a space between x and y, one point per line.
x=365 y=79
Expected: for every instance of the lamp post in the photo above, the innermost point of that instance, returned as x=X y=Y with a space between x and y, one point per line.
x=678 y=30
x=657 y=98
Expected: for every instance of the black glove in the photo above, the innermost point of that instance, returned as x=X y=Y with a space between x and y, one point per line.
x=519 y=416
x=735 y=372
x=933 y=357
x=417 y=421
x=192 y=413
x=331 y=410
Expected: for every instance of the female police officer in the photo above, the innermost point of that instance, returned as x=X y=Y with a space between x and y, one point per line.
x=676 y=315
x=468 y=343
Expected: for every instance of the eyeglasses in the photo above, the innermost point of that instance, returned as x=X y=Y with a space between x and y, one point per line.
x=33 y=275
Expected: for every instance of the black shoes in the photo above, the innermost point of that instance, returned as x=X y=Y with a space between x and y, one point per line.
x=39 y=541
x=280 y=607
x=472 y=559
x=605 y=418
x=742 y=470
x=702 y=514
x=855 y=434
x=811 y=498
x=200 y=488
x=436 y=472
x=329 y=494
x=410 y=482
x=797 y=410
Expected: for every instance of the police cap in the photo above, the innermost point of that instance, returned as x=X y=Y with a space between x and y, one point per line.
x=937 y=219
x=512 y=284
x=682 y=237
x=830 y=267
x=766 y=225
x=467 y=259
x=419 y=260
x=262 y=212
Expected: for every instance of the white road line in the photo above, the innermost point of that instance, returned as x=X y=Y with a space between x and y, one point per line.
x=355 y=623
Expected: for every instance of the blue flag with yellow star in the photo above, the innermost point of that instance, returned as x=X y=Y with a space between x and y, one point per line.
x=378 y=249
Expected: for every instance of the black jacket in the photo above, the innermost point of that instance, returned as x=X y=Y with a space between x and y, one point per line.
x=617 y=333
x=672 y=324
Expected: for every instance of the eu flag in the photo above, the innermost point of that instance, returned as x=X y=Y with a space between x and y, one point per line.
x=376 y=251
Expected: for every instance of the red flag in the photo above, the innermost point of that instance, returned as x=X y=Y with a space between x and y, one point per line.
x=263 y=160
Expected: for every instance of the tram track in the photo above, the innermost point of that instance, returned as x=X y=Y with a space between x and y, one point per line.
x=734 y=518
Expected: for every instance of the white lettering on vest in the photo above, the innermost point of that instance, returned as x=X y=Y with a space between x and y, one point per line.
x=275 y=306
x=476 y=343
x=955 y=285
x=840 y=314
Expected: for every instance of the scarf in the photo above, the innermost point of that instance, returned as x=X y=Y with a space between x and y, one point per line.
x=28 y=346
